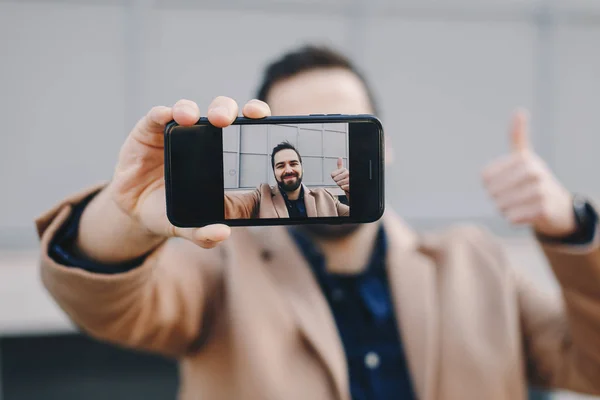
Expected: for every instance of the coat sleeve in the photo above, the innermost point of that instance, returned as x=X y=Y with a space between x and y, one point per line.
x=161 y=306
x=342 y=209
x=561 y=333
x=242 y=205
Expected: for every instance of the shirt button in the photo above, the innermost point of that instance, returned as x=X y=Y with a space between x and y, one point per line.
x=372 y=360
x=337 y=295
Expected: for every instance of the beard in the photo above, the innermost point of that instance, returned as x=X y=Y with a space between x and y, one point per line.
x=292 y=184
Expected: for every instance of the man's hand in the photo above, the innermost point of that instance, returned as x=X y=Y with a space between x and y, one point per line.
x=526 y=191
x=137 y=189
x=341 y=176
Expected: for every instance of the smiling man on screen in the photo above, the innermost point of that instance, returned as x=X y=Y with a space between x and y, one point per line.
x=289 y=198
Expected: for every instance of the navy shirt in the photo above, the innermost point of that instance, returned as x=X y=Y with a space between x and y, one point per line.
x=364 y=314
x=296 y=208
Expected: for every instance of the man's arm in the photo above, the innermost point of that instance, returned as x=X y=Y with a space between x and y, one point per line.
x=560 y=330
x=341 y=176
x=106 y=234
x=562 y=335
x=242 y=205
x=343 y=210
x=157 y=306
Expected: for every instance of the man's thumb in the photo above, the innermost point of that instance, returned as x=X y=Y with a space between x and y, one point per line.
x=340 y=163
x=519 y=136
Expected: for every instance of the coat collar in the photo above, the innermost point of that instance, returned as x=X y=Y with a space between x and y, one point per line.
x=412 y=279
x=279 y=202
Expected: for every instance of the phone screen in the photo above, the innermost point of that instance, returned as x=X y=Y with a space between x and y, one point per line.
x=286 y=171
x=279 y=170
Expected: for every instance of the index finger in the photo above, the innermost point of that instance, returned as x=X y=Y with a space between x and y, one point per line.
x=222 y=111
x=186 y=112
x=256 y=109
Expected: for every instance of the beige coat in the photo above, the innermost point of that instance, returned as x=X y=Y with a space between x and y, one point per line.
x=268 y=202
x=247 y=320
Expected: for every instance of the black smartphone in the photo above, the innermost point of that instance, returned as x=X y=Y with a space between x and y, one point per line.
x=283 y=170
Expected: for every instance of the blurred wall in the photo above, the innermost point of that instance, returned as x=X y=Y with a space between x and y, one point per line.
x=76 y=75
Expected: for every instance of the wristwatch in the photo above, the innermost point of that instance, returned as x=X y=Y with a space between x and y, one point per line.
x=580 y=209
x=586 y=219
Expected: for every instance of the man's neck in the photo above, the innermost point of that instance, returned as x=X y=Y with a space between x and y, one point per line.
x=295 y=194
x=349 y=255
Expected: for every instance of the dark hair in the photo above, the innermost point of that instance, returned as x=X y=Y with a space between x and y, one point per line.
x=304 y=59
x=283 y=146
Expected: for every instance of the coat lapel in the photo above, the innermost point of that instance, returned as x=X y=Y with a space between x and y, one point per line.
x=310 y=203
x=308 y=304
x=413 y=285
x=414 y=294
x=279 y=204
x=281 y=210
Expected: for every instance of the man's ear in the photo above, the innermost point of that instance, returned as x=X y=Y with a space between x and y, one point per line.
x=389 y=150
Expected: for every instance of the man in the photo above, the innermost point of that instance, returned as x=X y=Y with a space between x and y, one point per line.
x=369 y=311
x=290 y=198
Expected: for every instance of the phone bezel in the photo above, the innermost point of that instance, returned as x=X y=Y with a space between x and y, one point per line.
x=298 y=119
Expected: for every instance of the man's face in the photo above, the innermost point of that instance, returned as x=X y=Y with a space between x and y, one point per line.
x=287 y=169
x=321 y=91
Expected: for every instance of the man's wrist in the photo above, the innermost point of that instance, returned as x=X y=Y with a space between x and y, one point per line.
x=586 y=220
x=64 y=251
x=108 y=235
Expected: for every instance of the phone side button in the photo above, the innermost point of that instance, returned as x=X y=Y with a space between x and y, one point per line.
x=316 y=115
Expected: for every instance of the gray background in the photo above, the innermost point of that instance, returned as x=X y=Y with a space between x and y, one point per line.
x=76 y=75
x=247 y=153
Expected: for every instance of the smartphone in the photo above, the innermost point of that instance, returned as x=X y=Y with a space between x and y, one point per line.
x=282 y=170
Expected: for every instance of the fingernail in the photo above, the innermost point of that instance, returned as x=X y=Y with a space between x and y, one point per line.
x=219 y=110
x=188 y=109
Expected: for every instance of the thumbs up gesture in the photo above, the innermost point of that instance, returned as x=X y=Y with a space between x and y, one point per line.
x=524 y=189
x=341 y=176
